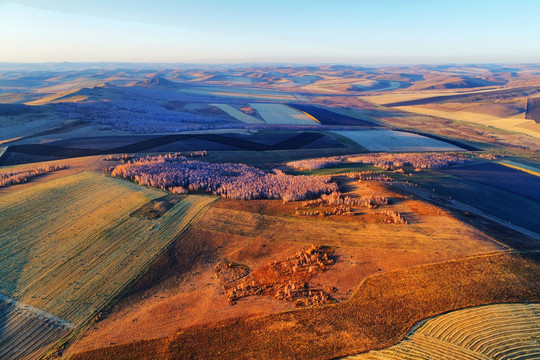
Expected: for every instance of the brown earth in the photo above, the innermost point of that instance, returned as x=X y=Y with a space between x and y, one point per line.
x=182 y=289
x=380 y=312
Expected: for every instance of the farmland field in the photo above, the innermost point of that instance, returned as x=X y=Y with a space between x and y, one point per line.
x=396 y=141
x=515 y=123
x=239 y=115
x=18 y=320
x=503 y=331
x=239 y=93
x=283 y=114
x=87 y=146
x=483 y=197
x=327 y=117
x=71 y=261
x=501 y=177
x=528 y=168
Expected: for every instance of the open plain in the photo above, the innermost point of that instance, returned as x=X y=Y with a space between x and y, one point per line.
x=275 y=212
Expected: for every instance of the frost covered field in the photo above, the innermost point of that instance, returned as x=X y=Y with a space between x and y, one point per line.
x=390 y=140
x=283 y=114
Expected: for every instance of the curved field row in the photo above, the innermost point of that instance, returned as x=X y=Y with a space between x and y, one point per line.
x=68 y=246
x=19 y=322
x=503 y=331
x=378 y=315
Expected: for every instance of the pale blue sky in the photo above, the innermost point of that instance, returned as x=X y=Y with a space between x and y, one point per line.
x=221 y=31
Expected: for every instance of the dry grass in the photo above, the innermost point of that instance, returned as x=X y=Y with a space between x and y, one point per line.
x=182 y=289
x=381 y=311
x=429 y=234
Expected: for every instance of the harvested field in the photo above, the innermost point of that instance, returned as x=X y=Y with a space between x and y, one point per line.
x=379 y=314
x=239 y=115
x=245 y=93
x=396 y=141
x=503 y=331
x=17 y=319
x=65 y=261
x=327 y=117
x=283 y=114
x=501 y=177
x=475 y=96
x=515 y=123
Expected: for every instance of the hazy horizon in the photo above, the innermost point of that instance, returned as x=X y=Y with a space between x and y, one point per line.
x=360 y=33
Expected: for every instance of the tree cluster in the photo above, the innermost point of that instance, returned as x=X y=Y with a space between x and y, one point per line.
x=393 y=217
x=365 y=176
x=17 y=177
x=387 y=161
x=368 y=201
x=290 y=279
x=235 y=181
x=138 y=116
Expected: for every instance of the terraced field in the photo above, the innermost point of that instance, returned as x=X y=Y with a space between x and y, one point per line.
x=283 y=114
x=396 y=141
x=70 y=245
x=504 y=331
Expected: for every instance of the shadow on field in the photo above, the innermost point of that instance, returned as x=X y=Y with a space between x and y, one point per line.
x=69 y=148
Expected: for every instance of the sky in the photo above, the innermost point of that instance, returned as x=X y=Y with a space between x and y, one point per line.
x=270 y=31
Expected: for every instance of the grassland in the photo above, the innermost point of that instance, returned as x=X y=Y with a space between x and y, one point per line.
x=260 y=231
x=69 y=245
x=503 y=331
x=396 y=141
x=379 y=314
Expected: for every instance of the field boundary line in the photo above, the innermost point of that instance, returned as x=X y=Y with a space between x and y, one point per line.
x=516 y=167
x=489 y=254
x=305 y=113
x=41 y=314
